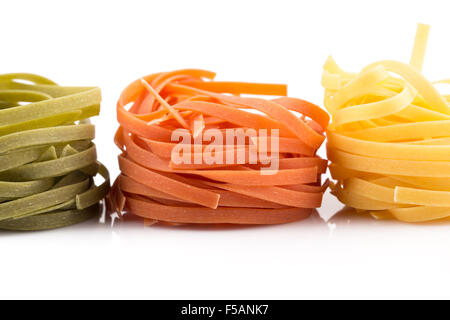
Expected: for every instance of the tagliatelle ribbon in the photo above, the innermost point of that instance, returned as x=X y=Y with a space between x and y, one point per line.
x=47 y=159
x=155 y=187
x=389 y=141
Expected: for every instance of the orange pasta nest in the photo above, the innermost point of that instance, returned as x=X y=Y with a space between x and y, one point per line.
x=155 y=187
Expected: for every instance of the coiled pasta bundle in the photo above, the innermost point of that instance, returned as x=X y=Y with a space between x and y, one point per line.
x=47 y=158
x=157 y=188
x=389 y=141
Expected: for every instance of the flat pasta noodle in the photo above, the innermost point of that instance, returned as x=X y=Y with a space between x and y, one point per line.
x=389 y=140
x=47 y=159
x=233 y=189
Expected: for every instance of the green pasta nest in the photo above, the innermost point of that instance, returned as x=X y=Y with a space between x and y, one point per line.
x=47 y=158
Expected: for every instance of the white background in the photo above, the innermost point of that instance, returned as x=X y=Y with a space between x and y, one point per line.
x=111 y=43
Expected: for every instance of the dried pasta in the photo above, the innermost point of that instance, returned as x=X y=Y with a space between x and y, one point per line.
x=47 y=157
x=158 y=189
x=389 y=141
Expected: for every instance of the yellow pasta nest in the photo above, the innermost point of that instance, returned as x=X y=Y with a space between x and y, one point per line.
x=389 y=142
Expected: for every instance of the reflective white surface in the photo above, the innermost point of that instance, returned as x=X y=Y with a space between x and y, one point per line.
x=348 y=257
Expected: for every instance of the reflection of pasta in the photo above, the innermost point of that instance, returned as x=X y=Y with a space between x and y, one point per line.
x=389 y=142
x=156 y=188
x=47 y=161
